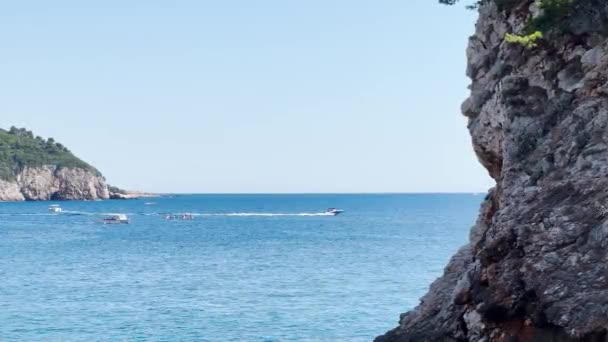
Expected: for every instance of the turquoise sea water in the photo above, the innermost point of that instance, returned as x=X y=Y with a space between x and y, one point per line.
x=250 y=268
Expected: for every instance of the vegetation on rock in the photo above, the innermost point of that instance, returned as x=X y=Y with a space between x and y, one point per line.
x=19 y=148
x=502 y=4
x=553 y=14
x=528 y=41
x=117 y=190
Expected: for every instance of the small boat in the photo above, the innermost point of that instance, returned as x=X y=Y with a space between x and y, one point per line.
x=334 y=211
x=55 y=208
x=116 y=219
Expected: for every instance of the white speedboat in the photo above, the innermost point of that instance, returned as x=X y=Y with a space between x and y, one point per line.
x=55 y=208
x=116 y=219
x=334 y=211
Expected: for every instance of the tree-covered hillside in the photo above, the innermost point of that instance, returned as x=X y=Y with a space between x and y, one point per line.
x=20 y=148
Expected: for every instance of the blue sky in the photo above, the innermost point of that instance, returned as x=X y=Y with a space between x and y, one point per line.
x=247 y=96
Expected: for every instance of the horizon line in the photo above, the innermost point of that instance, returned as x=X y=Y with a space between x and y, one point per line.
x=328 y=193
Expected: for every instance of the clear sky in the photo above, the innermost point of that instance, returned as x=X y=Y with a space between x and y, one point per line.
x=245 y=95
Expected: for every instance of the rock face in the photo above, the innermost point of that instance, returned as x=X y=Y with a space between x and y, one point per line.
x=536 y=266
x=53 y=183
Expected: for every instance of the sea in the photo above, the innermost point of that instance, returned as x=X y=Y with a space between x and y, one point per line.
x=245 y=268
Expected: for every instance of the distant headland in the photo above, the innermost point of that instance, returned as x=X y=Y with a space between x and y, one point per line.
x=36 y=169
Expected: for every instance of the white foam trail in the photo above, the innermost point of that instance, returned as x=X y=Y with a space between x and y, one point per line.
x=65 y=213
x=236 y=214
x=30 y=214
x=76 y=213
x=265 y=214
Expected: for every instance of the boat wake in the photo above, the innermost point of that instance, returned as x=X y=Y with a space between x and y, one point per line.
x=179 y=214
x=265 y=214
x=78 y=213
x=29 y=214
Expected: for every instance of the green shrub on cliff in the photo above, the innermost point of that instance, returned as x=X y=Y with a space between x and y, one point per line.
x=117 y=190
x=552 y=17
x=502 y=4
x=19 y=148
x=528 y=41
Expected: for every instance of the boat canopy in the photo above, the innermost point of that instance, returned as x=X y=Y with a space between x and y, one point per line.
x=118 y=216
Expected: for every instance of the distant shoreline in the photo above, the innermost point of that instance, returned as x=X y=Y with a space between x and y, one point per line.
x=143 y=195
x=322 y=193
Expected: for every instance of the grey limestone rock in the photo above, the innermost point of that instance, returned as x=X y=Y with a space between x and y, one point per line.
x=52 y=183
x=536 y=266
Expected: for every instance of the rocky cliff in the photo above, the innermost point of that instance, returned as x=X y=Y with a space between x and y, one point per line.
x=34 y=169
x=536 y=266
x=53 y=183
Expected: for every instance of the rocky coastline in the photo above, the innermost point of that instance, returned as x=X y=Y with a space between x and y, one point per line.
x=535 y=267
x=33 y=168
x=127 y=195
x=54 y=183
